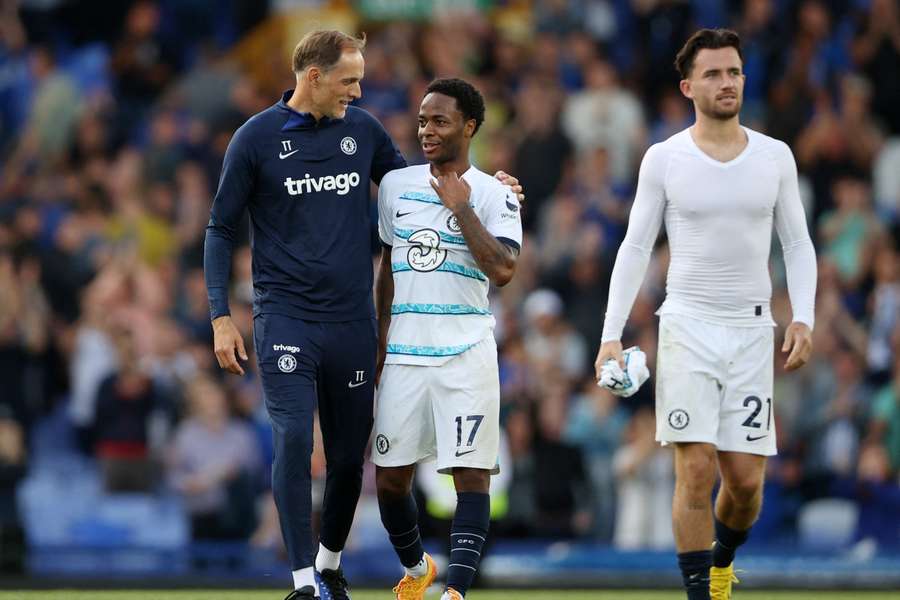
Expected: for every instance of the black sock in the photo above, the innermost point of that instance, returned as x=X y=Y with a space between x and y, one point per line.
x=727 y=542
x=467 y=536
x=400 y=519
x=695 y=573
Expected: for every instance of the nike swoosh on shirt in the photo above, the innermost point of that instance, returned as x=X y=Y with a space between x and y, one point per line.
x=357 y=384
x=751 y=438
x=458 y=453
x=283 y=155
x=399 y=214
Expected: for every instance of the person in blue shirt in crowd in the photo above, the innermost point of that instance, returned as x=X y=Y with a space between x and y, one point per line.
x=302 y=169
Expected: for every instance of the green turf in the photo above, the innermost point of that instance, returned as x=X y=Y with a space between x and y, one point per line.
x=474 y=595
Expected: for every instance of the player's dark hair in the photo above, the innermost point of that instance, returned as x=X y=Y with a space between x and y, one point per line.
x=711 y=39
x=468 y=99
x=323 y=48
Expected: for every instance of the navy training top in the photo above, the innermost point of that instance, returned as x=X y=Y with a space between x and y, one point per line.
x=306 y=185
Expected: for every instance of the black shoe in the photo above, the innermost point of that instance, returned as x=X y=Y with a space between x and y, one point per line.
x=307 y=592
x=337 y=587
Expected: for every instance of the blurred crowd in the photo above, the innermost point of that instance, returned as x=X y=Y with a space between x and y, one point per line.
x=114 y=119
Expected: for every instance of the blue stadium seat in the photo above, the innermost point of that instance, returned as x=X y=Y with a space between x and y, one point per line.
x=827 y=523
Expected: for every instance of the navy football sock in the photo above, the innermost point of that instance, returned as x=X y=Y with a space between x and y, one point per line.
x=467 y=536
x=695 y=573
x=400 y=519
x=727 y=542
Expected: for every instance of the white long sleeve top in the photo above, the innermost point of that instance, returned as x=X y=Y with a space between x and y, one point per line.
x=718 y=218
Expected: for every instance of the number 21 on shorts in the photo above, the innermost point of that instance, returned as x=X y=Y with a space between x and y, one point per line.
x=751 y=421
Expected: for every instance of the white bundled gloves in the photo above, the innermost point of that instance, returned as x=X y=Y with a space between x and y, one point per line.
x=625 y=382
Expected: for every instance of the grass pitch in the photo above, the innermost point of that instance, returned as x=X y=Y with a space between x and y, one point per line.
x=474 y=595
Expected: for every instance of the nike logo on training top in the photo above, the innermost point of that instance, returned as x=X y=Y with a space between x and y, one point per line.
x=400 y=214
x=752 y=438
x=458 y=453
x=355 y=384
x=283 y=155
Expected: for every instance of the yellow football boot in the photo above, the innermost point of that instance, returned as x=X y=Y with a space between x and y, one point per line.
x=413 y=588
x=720 y=581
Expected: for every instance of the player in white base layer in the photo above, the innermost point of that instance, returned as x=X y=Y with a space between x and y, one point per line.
x=448 y=230
x=719 y=187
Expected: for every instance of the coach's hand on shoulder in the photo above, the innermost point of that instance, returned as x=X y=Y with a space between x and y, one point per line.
x=226 y=340
x=507 y=179
x=608 y=350
x=453 y=191
x=797 y=341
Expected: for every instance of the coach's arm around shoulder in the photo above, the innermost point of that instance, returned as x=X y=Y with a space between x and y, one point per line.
x=496 y=259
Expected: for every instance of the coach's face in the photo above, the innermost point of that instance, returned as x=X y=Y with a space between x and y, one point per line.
x=443 y=130
x=334 y=89
x=716 y=83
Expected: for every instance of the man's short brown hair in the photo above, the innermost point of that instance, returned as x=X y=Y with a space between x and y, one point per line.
x=323 y=48
x=711 y=39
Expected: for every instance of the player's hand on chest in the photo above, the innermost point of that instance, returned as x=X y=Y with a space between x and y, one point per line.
x=453 y=191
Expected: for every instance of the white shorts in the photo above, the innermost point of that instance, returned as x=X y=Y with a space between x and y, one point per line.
x=450 y=412
x=714 y=385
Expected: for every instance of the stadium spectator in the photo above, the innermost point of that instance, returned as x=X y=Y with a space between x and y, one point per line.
x=582 y=282
x=644 y=482
x=214 y=464
x=673 y=117
x=564 y=508
x=54 y=110
x=606 y=115
x=876 y=51
x=886 y=181
x=553 y=346
x=878 y=498
x=596 y=424
x=141 y=62
x=764 y=40
x=884 y=424
x=884 y=314
x=542 y=150
x=24 y=338
x=522 y=510
x=13 y=467
x=125 y=400
x=838 y=146
x=850 y=232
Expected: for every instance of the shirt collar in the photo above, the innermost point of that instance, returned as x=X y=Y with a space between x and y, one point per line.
x=301 y=120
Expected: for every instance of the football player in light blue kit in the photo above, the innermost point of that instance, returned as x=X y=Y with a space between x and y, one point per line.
x=448 y=231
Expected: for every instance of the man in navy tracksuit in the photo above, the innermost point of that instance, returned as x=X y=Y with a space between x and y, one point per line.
x=302 y=168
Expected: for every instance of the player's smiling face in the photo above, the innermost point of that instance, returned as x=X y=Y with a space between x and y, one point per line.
x=443 y=130
x=716 y=83
x=337 y=87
